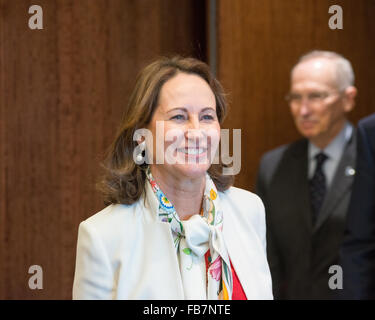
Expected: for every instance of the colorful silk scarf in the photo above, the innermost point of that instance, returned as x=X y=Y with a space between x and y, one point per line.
x=192 y=239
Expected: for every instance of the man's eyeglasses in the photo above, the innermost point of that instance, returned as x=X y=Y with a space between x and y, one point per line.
x=312 y=97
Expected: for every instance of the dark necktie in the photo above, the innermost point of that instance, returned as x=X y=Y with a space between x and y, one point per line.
x=318 y=186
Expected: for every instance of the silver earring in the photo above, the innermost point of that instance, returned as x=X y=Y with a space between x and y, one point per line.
x=139 y=157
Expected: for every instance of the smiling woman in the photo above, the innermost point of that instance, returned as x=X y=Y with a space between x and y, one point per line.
x=177 y=229
x=188 y=110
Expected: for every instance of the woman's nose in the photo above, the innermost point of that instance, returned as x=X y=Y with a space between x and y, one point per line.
x=194 y=131
x=193 y=123
x=194 y=134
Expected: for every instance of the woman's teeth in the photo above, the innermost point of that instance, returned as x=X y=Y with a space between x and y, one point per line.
x=192 y=151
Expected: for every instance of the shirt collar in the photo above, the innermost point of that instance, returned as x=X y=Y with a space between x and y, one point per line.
x=337 y=145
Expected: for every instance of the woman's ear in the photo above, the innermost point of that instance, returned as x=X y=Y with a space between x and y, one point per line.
x=142 y=139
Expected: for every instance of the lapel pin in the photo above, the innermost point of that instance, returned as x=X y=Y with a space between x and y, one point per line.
x=349 y=171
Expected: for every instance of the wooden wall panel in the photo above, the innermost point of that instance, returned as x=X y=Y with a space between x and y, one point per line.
x=259 y=42
x=62 y=92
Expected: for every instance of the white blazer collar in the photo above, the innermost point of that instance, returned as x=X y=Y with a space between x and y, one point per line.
x=151 y=203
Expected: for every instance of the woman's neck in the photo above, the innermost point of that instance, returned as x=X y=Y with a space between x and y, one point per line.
x=184 y=193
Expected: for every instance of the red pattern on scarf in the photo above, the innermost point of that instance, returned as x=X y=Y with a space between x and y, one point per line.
x=238 y=292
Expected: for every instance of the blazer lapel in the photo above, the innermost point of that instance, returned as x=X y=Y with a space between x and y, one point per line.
x=290 y=185
x=162 y=257
x=247 y=258
x=298 y=169
x=342 y=181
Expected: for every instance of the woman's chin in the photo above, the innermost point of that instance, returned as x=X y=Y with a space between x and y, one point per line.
x=191 y=170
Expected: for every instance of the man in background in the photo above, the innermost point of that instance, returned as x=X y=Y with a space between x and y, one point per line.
x=358 y=251
x=306 y=185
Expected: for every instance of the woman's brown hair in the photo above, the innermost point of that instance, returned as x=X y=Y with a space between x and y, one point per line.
x=124 y=180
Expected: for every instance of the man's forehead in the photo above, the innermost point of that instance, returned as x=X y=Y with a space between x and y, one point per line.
x=318 y=70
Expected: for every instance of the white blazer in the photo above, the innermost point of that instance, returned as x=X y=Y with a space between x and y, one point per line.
x=126 y=252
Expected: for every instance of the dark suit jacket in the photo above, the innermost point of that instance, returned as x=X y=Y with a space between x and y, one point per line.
x=300 y=254
x=358 y=251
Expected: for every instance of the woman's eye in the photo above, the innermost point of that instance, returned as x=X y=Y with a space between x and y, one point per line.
x=178 y=117
x=208 y=117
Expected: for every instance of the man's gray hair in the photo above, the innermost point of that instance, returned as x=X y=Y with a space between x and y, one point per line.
x=344 y=70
